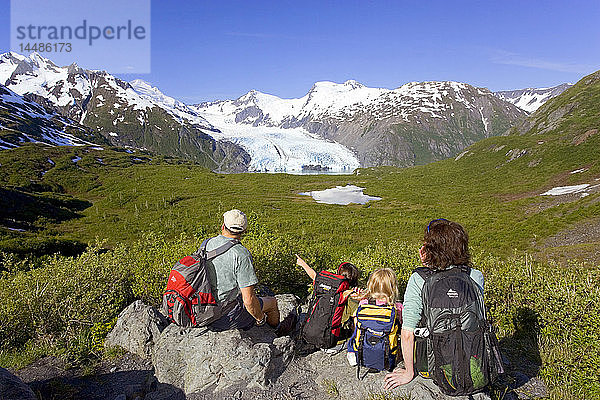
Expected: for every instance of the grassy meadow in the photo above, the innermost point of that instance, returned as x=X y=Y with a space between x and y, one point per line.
x=139 y=213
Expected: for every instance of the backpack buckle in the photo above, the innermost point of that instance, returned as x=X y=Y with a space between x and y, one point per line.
x=421 y=332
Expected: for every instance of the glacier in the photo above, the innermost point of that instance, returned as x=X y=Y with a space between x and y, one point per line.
x=274 y=149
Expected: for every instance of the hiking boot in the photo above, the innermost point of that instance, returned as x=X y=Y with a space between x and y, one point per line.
x=287 y=325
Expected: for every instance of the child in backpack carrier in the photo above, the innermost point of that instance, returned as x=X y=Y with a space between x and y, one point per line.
x=374 y=343
x=335 y=298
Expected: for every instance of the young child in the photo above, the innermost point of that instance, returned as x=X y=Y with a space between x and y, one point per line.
x=347 y=270
x=382 y=289
x=349 y=297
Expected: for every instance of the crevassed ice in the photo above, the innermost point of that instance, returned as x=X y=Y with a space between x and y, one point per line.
x=342 y=195
x=274 y=149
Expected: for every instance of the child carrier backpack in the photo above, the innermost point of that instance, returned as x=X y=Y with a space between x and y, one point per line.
x=375 y=338
x=323 y=324
x=454 y=343
x=188 y=300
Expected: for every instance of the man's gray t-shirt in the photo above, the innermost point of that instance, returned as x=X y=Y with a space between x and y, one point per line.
x=231 y=271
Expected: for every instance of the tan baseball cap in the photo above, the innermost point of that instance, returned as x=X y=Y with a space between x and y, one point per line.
x=235 y=221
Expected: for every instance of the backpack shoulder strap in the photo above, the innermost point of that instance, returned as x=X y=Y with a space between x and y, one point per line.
x=203 y=246
x=221 y=249
x=424 y=272
x=465 y=268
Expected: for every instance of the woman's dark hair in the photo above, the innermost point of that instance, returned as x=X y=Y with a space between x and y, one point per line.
x=445 y=243
x=350 y=272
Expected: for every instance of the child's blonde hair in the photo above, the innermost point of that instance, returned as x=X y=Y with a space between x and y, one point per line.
x=383 y=285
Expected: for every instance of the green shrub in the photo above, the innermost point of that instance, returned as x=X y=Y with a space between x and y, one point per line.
x=62 y=300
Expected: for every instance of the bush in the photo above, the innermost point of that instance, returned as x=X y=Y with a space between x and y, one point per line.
x=62 y=300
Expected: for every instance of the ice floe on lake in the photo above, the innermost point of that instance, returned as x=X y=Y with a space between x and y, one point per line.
x=342 y=195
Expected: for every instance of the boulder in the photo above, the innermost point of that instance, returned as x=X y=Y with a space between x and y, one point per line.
x=137 y=329
x=13 y=388
x=338 y=378
x=200 y=360
x=287 y=304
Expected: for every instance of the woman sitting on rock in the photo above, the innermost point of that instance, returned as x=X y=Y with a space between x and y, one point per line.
x=445 y=246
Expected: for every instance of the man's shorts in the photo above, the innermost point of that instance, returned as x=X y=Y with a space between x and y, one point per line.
x=237 y=318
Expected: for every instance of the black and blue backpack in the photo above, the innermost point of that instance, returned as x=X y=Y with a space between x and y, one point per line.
x=375 y=337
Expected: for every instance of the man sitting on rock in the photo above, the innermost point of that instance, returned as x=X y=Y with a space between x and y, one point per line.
x=232 y=278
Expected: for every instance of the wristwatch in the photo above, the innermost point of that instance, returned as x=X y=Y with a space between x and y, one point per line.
x=262 y=321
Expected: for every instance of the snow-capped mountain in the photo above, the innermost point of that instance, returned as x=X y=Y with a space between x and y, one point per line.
x=531 y=99
x=335 y=127
x=135 y=114
x=71 y=86
x=23 y=121
x=413 y=124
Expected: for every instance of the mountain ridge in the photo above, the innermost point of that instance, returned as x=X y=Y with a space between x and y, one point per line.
x=116 y=111
x=413 y=124
x=530 y=99
x=334 y=126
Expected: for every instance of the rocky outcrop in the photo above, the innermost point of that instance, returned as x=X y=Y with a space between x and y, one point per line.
x=256 y=364
x=137 y=329
x=13 y=388
x=195 y=359
x=201 y=360
x=337 y=377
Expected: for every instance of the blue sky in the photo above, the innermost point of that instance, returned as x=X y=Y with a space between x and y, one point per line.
x=205 y=50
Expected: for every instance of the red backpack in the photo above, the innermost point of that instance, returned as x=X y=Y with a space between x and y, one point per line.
x=188 y=300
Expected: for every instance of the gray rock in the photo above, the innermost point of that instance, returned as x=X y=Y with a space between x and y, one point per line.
x=529 y=388
x=338 y=378
x=196 y=359
x=287 y=304
x=201 y=360
x=166 y=392
x=137 y=328
x=121 y=397
x=13 y=388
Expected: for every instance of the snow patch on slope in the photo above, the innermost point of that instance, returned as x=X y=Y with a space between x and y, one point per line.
x=179 y=110
x=531 y=99
x=560 y=190
x=342 y=195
